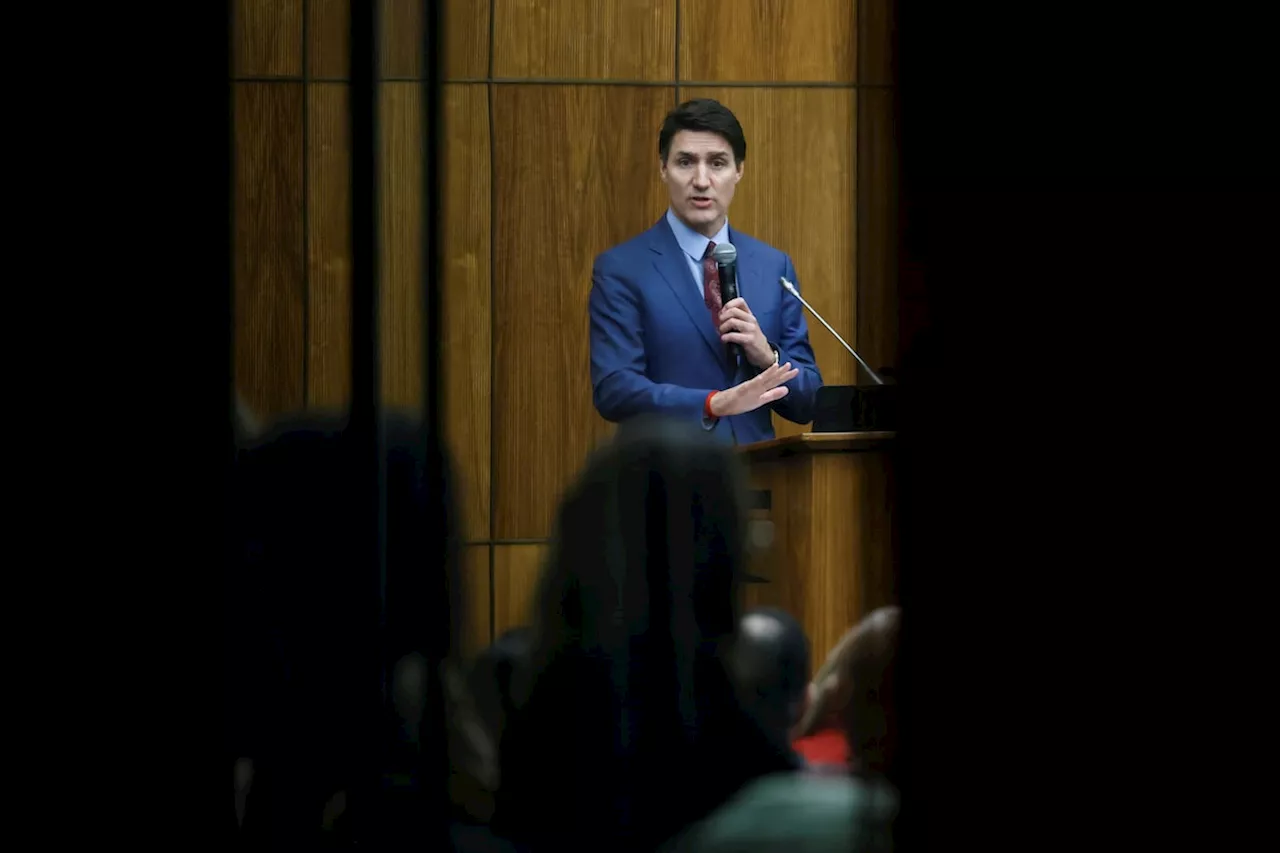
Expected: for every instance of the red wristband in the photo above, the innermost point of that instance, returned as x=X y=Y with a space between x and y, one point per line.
x=706 y=406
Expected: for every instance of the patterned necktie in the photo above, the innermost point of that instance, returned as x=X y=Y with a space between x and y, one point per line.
x=711 y=286
x=711 y=294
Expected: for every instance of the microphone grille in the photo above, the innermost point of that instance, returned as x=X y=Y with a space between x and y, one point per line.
x=725 y=253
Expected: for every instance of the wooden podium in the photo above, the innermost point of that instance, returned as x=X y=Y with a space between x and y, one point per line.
x=821 y=529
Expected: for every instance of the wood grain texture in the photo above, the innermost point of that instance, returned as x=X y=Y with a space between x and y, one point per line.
x=877 y=292
x=466 y=39
x=329 y=246
x=329 y=38
x=465 y=298
x=269 y=271
x=400 y=256
x=797 y=194
x=585 y=39
x=401 y=38
x=476 y=631
x=516 y=570
x=816 y=442
x=768 y=40
x=267 y=38
x=563 y=198
x=876 y=41
x=830 y=561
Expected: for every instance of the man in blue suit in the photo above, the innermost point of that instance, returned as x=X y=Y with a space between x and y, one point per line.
x=660 y=337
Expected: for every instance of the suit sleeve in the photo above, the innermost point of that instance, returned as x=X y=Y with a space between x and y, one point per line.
x=619 y=387
x=793 y=346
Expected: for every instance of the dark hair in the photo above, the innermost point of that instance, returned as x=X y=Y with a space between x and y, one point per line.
x=628 y=698
x=776 y=664
x=707 y=116
x=307 y=633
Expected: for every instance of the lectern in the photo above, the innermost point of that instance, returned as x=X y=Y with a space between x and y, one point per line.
x=821 y=529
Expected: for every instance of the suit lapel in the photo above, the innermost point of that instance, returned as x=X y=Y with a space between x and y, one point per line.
x=670 y=262
x=751 y=283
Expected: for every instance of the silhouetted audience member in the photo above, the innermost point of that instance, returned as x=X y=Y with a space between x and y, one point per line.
x=627 y=727
x=484 y=698
x=871 y=717
x=821 y=736
x=813 y=812
x=770 y=666
x=324 y=702
x=491 y=677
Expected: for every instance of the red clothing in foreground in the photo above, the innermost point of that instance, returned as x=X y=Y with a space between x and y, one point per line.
x=825 y=746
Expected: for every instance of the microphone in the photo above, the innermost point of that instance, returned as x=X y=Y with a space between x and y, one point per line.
x=726 y=257
x=791 y=288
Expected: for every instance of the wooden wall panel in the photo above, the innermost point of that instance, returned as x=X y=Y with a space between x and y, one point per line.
x=465 y=298
x=768 y=40
x=270 y=278
x=877 y=291
x=329 y=38
x=400 y=38
x=267 y=38
x=476 y=592
x=400 y=255
x=797 y=194
x=562 y=199
x=516 y=569
x=466 y=39
x=329 y=246
x=585 y=39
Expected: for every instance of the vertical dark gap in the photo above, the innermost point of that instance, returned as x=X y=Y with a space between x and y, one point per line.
x=432 y=214
x=226 y=305
x=493 y=330
x=444 y=610
x=364 y=432
x=306 y=209
x=233 y=49
x=859 y=129
x=229 y=176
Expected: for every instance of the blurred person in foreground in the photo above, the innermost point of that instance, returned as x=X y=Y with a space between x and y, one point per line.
x=845 y=727
x=340 y=727
x=770 y=666
x=627 y=728
x=854 y=810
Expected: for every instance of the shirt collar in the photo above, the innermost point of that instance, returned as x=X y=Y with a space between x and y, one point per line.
x=693 y=243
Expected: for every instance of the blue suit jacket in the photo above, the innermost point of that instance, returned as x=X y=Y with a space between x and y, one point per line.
x=654 y=349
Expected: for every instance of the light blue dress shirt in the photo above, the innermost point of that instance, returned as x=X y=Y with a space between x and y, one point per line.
x=694 y=246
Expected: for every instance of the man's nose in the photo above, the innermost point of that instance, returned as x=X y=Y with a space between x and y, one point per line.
x=702 y=176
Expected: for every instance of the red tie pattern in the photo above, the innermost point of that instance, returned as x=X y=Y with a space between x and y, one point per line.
x=711 y=286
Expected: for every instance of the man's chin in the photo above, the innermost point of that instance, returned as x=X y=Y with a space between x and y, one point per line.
x=696 y=216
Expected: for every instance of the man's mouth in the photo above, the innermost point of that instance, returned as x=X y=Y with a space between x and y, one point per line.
x=701 y=201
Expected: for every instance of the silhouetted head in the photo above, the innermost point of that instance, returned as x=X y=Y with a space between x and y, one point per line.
x=492 y=675
x=315 y=620
x=871 y=715
x=628 y=698
x=770 y=664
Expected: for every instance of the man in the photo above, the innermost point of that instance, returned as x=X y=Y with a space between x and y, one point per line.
x=770 y=666
x=661 y=341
